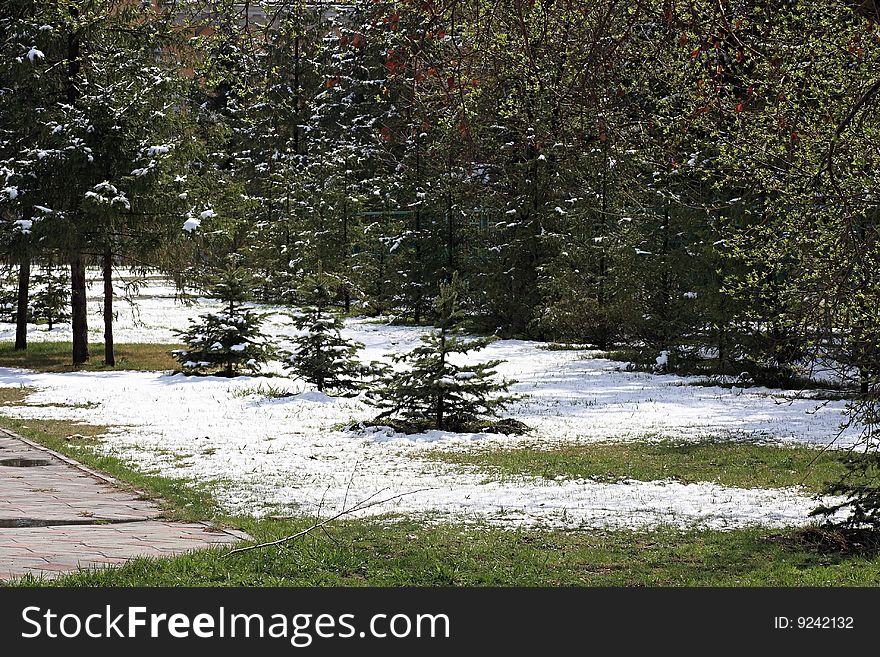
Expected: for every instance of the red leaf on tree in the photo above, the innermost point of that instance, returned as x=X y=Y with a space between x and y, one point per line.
x=739 y=107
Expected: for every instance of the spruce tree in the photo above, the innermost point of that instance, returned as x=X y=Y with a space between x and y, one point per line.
x=321 y=356
x=51 y=299
x=433 y=392
x=8 y=296
x=228 y=342
x=91 y=174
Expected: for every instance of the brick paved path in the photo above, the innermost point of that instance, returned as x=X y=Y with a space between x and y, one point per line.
x=57 y=515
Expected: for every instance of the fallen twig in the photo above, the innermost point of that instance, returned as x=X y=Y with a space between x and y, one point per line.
x=366 y=503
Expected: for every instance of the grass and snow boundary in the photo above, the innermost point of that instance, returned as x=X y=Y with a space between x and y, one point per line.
x=266 y=455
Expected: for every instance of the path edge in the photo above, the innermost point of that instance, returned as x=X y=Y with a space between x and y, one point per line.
x=112 y=481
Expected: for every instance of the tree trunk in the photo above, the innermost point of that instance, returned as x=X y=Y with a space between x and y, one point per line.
x=50 y=289
x=417 y=310
x=21 y=317
x=109 y=358
x=346 y=252
x=79 y=317
x=440 y=395
x=79 y=321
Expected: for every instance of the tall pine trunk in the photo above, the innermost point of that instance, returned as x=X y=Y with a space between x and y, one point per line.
x=441 y=405
x=21 y=317
x=50 y=286
x=229 y=362
x=79 y=320
x=107 y=271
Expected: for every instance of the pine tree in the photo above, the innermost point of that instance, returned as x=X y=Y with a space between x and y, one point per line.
x=52 y=296
x=321 y=355
x=229 y=342
x=434 y=392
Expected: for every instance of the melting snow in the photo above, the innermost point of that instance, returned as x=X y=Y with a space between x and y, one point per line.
x=264 y=455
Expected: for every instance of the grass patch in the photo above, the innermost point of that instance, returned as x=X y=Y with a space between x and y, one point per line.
x=375 y=553
x=400 y=552
x=56 y=357
x=728 y=463
x=267 y=391
x=566 y=346
x=14 y=395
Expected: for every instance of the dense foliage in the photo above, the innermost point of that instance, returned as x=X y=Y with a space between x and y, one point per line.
x=689 y=179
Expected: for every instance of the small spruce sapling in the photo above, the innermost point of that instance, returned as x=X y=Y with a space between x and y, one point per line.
x=433 y=392
x=52 y=296
x=229 y=342
x=8 y=296
x=321 y=356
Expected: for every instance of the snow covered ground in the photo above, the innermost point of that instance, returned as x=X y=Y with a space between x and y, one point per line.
x=265 y=455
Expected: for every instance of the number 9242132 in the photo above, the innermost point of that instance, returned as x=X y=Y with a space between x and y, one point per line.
x=825 y=622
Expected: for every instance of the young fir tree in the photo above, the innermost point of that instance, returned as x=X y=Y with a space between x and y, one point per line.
x=321 y=355
x=229 y=342
x=434 y=392
x=52 y=296
x=8 y=296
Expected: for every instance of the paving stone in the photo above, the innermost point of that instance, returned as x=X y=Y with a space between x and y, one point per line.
x=78 y=519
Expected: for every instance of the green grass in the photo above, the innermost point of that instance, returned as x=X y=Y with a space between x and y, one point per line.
x=400 y=552
x=374 y=553
x=12 y=396
x=266 y=391
x=740 y=464
x=56 y=357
